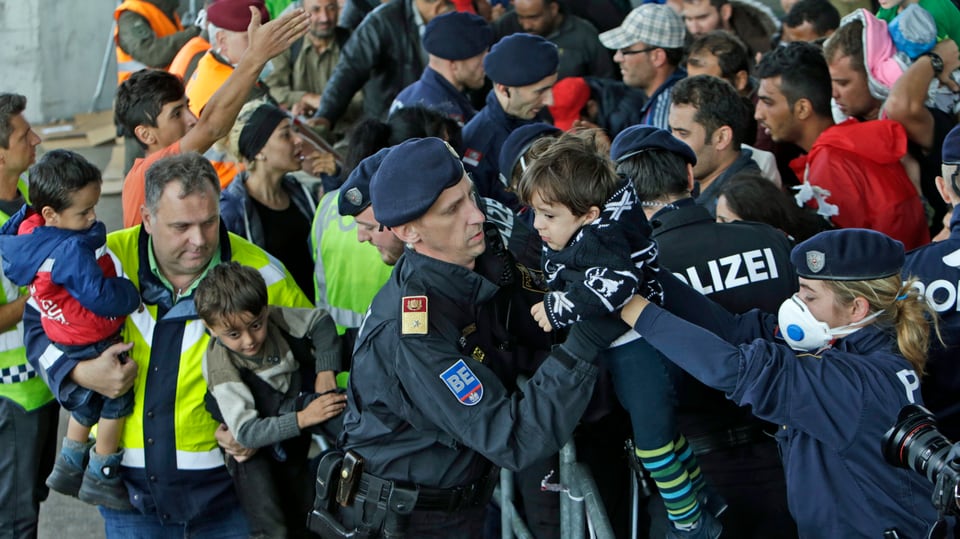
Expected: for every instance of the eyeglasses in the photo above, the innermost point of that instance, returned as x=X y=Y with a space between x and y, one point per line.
x=628 y=53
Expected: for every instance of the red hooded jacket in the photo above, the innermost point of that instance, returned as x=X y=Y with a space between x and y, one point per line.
x=859 y=163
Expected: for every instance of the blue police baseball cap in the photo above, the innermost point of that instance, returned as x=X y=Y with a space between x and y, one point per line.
x=521 y=60
x=848 y=254
x=411 y=178
x=457 y=36
x=355 y=192
x=641 y=138
x=519 y=141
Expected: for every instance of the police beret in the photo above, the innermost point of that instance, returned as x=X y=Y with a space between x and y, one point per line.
x=355 y=192
x=521 y=60
x=849 y=254
x=457 y=36
x=411 y=178
x=951 y=147
x=640 y=138
x=519 y=141
x=234 y=15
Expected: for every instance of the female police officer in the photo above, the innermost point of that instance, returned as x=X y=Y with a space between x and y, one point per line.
x=857 y=340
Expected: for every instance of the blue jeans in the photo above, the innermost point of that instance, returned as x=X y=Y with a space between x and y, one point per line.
x=225 y=523
x=85 y=405
x=644 y=383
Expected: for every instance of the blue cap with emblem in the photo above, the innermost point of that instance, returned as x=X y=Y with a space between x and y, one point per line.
x=457 y=36
x=643 y=138
x=355 y=192
x=518 y=142
x=521 y=60
x=411 y=178
x=849 y=254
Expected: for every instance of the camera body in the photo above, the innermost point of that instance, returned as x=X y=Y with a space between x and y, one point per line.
x=915 y=443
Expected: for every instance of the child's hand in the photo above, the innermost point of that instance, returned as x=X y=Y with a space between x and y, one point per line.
x=540 y=315
x=321 y=409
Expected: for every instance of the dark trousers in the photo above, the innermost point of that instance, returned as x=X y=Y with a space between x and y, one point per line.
x=276 y=496
x=29 y=442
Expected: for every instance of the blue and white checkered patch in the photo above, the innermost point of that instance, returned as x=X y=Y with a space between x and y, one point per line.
x=463 y=383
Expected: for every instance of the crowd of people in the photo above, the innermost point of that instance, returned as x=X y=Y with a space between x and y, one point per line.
x=375 y=252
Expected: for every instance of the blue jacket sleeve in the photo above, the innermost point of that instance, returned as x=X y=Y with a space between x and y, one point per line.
x=83 y=278
x=43 y=356
x=814 y=395
x=692 y=306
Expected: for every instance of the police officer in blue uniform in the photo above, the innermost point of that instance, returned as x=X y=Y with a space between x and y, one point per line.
x=456 y=44
x=740 y=266
x=523 y=68
x=937 y=268
x=427 y=402
x=834 y=376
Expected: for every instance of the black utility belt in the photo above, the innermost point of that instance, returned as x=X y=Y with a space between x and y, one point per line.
x=450 y=500
x=728 y=439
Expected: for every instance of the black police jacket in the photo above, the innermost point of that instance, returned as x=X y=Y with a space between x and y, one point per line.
x=430 y=400
x=740 y=265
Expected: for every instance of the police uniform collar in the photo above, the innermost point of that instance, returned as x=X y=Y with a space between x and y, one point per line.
x=683 y=212
x=457 y=283
x=869 y=339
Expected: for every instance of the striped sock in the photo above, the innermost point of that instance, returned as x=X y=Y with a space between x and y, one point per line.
x=668 y=472
x=690 y=463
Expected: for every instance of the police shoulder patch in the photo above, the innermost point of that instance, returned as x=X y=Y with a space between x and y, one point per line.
x=413 y=315
x=472 y=157
x=463 y=383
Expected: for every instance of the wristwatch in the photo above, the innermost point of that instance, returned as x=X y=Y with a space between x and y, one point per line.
x=935 y=62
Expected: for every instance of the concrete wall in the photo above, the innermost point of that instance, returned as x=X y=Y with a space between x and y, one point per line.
x=52 y=51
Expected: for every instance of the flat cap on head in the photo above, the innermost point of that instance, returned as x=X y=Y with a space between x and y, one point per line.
x=655 y=25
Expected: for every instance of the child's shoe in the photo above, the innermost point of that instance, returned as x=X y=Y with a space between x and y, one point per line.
x=102 y=484
x=707 y=527
x=67 y=474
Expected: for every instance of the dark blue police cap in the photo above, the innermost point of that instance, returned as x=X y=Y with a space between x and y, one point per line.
x=951 y=147
x=411 y=178
x=848 y=254
x=355 y=192
x=521 y=60
x=640 y=138
x=457 y=36
x=519 y=142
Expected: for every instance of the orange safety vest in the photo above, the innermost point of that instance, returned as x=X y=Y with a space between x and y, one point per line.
x=227 y=171
x=159 y=22
x=206 y=80
x=196 y=45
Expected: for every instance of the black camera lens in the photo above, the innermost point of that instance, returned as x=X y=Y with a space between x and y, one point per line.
x=916 y=444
